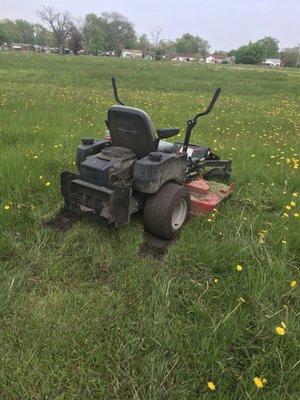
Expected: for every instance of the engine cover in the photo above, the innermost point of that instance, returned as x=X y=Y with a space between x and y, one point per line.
x=113 y=165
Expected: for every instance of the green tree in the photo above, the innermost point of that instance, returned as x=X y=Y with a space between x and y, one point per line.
x=270 y=46
x=94 y=33
x=191 y=44
x=41 y=35
x=188 y=44
x=24 y=31
x=9 y=30
x=108 y=32
x=144 y=44
x=253 y=53
x=290 y=56
x=3 y=37
x=119 y=32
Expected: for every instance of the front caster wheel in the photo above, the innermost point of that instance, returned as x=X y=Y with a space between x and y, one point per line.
x=166 y=211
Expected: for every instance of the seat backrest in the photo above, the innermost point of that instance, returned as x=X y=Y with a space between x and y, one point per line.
x=131 y=128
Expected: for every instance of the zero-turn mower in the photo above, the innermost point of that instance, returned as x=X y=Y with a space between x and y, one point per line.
x=134 y=169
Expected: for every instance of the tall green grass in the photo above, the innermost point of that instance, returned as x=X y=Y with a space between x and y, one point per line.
x=82 y=313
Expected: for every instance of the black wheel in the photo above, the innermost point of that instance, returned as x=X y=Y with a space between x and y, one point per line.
x=167 y=210
x=217 y=174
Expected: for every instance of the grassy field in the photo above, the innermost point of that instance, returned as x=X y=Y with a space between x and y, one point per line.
x=85 y=315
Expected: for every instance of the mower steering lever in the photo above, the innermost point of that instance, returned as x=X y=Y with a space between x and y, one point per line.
x=211 y=104
x=192 y=122
x=114 y=85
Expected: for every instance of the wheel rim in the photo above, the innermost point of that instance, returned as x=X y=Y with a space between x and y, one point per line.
x=179 y=215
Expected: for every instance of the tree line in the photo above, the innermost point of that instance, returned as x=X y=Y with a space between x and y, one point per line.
x=112 y=31
x=268 y=47
x=107 y=32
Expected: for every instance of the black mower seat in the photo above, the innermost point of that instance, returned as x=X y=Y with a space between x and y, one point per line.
x=131 y=128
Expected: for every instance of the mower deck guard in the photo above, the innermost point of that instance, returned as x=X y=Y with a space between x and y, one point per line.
x=205 y=196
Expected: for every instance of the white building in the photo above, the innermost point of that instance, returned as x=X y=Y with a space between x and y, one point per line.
x=272 y=62
x=132 y=53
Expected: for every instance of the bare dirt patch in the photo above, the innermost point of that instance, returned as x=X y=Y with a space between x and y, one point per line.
x=63 y=221
x=154 y=247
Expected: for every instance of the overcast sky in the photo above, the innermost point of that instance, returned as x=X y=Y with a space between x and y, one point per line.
x=226 y=24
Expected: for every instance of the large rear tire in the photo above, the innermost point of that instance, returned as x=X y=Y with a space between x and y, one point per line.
x=167 y=211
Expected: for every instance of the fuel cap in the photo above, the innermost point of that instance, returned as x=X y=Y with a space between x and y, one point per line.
x=155 y=156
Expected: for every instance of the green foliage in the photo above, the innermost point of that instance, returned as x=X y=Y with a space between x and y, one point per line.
x=9 y=30
x=290 y=56
x=25 y=31
x=192 y=45
x=253 y=53
x=257 y=52
x=144 y=44
x=21 y=31
x=270 y=46
x=3 y=36
x=94 y=33
x=42 y=36
x=109 y=31
x=83 y=315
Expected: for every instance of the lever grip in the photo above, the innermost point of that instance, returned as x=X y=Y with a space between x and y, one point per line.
x=114 y=85
x=213 y=100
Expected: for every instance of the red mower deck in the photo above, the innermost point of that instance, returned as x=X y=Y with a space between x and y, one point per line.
x=205 y=196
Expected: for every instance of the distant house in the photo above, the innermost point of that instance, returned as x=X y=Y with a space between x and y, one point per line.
x=211 y=60
x=182 y=57
x=272 y=62
x=214 y=59
x=21 y=47
x=132 y=53
x=186 y=57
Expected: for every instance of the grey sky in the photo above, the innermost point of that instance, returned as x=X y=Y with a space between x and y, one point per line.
x=225 y=24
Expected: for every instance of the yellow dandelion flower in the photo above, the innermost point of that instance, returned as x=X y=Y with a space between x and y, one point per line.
x=216 y=280
x=295 y=194
x=280 y=330
x=7 y=207
x=293 y=284
x=259 y=382
x=296 y=215
x=288 y=207
x=211 y=386
x=293 y=204
x=239 y=268
x=48 y=183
